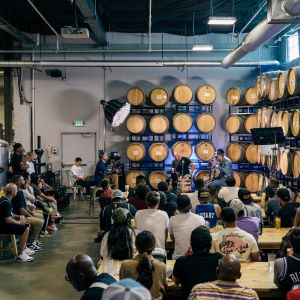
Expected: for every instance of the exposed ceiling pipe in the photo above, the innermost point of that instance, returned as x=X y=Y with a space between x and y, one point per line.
x=44 y=19
x=150 y=26
x=213 y=63
x=261 y=34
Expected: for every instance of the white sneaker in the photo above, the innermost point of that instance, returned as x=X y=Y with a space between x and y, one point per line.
x=24 y=258
x=28 y=251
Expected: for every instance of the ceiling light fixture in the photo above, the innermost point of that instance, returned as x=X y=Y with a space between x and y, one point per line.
x=221 y=21
x=116 y=111
x=203 y=47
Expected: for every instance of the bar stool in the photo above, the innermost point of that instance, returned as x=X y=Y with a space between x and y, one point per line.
x=8 y=239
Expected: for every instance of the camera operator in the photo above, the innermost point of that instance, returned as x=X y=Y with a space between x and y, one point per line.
x=101 y=168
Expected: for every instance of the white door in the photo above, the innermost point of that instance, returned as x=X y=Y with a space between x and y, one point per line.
x=79 y=144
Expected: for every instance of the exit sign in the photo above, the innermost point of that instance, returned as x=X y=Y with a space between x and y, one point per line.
x=78 y=123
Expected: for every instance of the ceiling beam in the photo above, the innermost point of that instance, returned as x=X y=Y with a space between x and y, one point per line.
x=89 y=12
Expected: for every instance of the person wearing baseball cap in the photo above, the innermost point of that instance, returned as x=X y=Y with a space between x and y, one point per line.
x=210 y=212
x=199 y=265
x=251 y=209
x=181 y=225
x=272 y=203
x=248 y=224
x=117 y=201
x=288 y=209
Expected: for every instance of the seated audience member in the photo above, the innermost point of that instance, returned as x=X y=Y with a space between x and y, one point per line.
x=198 y=265
x=8 y=225
x=140 y=179
x=210 y=212
x=182 y=225
x=49 y=201
x=153 y=220
x=233 y=240
x=286 y=269
x=274 y=182
x=169 y=207
x=199 y=184
x=288 y=209
x=215 y=199
x=171 y=197
x=286 y=240
x=248 y=224
x=272 y=201
x=251 y=209
x=117 y=202
x=104 y=195
x=119 y=242
x=126 y=289
x=79 y=176
x=226 y=287
x=29 y=157
x=150 y=272
x=17 y=160
x=138 y=200
x=20 y=209
x=83 y=275
x=230 y=191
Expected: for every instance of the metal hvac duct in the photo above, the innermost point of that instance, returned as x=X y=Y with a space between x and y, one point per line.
x=261 y=34
x=41 y=64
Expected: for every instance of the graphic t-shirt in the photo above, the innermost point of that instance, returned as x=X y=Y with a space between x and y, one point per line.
x=234 y=241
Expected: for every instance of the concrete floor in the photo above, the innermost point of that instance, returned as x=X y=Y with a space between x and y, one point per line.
x=44 y=277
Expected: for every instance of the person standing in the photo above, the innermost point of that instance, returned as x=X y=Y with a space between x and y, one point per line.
x=101 y=168
x=17 y=157
x=29 y=157
x=223 y=169
x=79 y=176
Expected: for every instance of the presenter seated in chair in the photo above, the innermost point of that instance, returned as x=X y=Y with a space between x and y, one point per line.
x=182 y=166
x=79 y=176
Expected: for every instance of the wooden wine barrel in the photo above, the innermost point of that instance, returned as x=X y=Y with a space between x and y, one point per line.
x=257 y=87
x=282 y=85
x=204 y=174
x=182 y=122
x=183 y=94
x=159 y=96
x=156 y=177
x=251 y=122
x=236 y=152
x=293 y=80
x=159 y=124
x=273 y=120
x=235 y=124
x=285 y=162
x=158 y=151
x=206 y=94
x=270 y=161
x=183 y=148
x=295 y=123
x=136 y=96
x=296 y=164
x=286 y=121
x=265 y=117
x=205 y=151
x=131 y=178
x=184 y=185
x=261 y=182
x=265 y=81
x=251 y=153
x=251 y=96
x=206 y=122
x=273 y=93
x=239 y=178
x=252 y=182
x=259 y=117
x=235 y=96
x=136 y=124
x=262 y=159
x=135 y=151
x=279 y=119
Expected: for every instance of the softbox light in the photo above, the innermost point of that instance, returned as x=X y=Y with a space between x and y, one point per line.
x=116 y=111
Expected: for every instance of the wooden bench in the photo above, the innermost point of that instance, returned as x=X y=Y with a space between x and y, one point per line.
x=8 y=239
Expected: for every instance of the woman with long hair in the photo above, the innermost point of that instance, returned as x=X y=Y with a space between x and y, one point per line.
x=119 y=242
x=143 y=268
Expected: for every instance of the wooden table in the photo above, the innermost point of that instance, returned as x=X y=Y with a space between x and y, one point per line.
x=271 y=238
x=255 y=275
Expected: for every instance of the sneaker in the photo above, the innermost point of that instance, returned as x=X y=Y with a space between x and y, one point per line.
x=24 y=258
x=29 y=251
x=35 y=247
x=45 y=234
x=38 y=243
x=50 y=228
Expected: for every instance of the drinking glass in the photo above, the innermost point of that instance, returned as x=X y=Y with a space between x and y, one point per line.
x=271 y=261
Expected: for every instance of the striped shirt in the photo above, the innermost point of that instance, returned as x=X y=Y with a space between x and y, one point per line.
x=220 y=290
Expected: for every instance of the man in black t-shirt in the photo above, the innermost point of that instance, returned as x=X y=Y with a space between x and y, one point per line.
x=182 y=166
x=8 y=225
x=198 y=265
x=288 y=209
x=17 y=161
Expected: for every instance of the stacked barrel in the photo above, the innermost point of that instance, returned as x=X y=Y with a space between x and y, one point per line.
x=164 y=122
